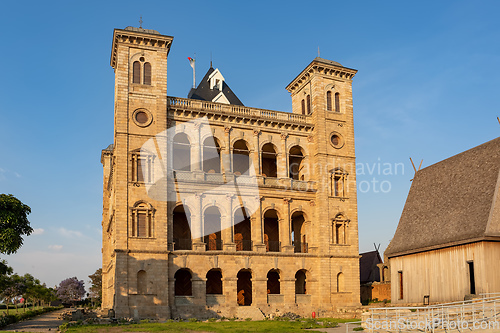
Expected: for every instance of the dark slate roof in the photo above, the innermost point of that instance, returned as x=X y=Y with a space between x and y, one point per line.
x=148 y=31
x=368 y=270
x=451 y=202
x=326 y=61
x=204 y=93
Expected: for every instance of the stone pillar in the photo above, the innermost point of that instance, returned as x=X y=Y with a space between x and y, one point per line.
x=286 y=231
x=257 y=228
x=287 y=286
x=196 y=224
x=199 y=286
x=196 y=149
x=227 y=230
x=283 y=158
x=259 y=291
x=226 y=154
x=257 y=163
x=229 y=287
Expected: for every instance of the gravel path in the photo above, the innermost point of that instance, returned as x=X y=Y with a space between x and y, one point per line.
x=47 y=322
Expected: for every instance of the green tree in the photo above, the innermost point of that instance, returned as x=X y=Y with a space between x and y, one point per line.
x=96 y=287
x=14 y=223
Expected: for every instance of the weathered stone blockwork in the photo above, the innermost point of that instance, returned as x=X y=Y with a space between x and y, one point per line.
x=295 y=250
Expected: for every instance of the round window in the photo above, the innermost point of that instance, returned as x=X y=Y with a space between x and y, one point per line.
x=336 y=140
x=142 y=117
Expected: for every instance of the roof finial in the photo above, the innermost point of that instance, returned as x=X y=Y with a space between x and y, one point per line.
x=210 y=59
x=140 y=22
x=318 y=53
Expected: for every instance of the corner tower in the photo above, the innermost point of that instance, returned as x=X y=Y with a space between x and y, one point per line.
x=323 y=91
x=139 y=59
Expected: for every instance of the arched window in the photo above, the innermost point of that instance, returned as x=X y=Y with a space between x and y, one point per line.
x=299 y=237
x=242 y=230
x=340 y=282
x=211 y=155
x=273 y=282
x=142 y=167
x=214 y=282
x=183 y=285
x=244 y=287
x=136 y=72
x=337 y=102
x=241 y=158
x=142 y=220
x=329 y=100
x=181 y=152
x=339 y=183
x=147 y=73
x=271 y=231
x=295 y=162
x=303 y=106
x=269 y=166
x=339 y=228
x=182 y=231
x=300 y=282
x=142 y=287
x=308 y=104
x=212 y=229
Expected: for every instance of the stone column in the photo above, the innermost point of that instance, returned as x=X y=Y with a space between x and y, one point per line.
x=259 y=291
x=285 y=223
x=283 y=160
x=199 y=291
x=227 y=230
x=196 y=149
x=257 y=227
x=257 y=163
x=196 y=224
x=226 y=154
x=287 y=286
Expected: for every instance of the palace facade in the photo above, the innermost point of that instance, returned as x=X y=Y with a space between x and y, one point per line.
x=212 y=208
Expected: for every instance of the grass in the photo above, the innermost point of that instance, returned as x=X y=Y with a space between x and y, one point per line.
x=20 y=309
x=264 y=326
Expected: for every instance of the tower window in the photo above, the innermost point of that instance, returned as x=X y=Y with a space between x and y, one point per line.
x=136 y=75
x=303 y=107
x=329 y=101
x=142 y=220
x=308 y=104
x=147 y=73
x=337 y=102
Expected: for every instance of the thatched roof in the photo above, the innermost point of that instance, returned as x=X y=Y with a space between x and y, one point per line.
x=452 y=202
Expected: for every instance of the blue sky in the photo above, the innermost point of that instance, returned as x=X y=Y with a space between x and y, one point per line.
x=427 y=87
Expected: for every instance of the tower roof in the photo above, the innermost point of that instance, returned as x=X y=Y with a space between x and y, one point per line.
x=452 y=202
x=214 y=88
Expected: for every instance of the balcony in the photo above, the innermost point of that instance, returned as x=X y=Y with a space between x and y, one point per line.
x=183 y=244
x=272 y=246
x=300 y=247
x=213 y=245
x=243 y=245
x=242 y=111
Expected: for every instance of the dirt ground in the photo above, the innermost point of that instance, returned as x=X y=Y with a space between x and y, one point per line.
x=47 y=322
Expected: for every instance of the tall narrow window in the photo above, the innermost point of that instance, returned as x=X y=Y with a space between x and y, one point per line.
x=340 y=282
x=303 y=107
x=471 y=278
x=214 y=282
x=339 y=181
x=142 y=167
x=340 y=224
x=147 y=73
x=183 y=285
x=136 y=72
x=142 y=287
x=337 y=102
x=329 y=100
x=400 y=280
x=142 y=220
x=308 y=104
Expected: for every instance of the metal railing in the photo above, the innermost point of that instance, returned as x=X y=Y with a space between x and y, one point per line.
x=477 y=314
x=273 y=246
x=243 y=245
x=183 y=244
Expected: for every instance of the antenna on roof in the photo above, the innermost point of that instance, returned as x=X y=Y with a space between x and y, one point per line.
x=140 y=22
x=318 y=53
x=415 y=169
x=376 y=247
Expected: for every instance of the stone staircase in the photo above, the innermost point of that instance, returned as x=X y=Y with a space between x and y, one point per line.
x=252 y=312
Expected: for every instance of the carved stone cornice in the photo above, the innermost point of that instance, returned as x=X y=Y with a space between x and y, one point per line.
x=322 y=67
x=138 y=37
